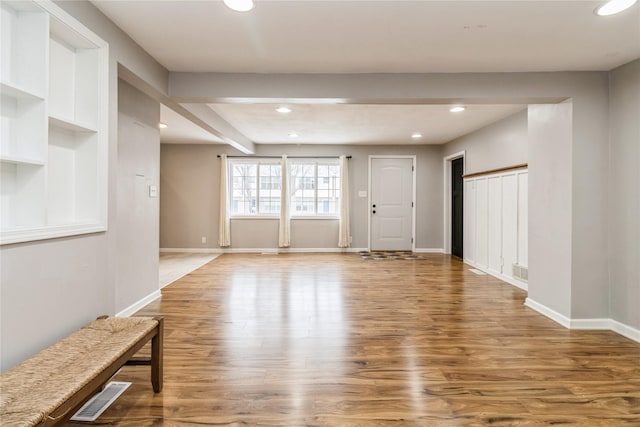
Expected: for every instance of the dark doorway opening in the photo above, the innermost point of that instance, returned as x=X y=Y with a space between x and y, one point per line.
x=457 y=197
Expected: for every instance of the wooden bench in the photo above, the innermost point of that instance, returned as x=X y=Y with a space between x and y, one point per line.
x=48 y=388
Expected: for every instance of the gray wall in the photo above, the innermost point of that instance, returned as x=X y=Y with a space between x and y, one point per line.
x=51 y=287
x=76 y=278
x=190 y=192
x=624 y=194
x=501 y=144
x=587 y=170
x=137 y=213
x=549 y=207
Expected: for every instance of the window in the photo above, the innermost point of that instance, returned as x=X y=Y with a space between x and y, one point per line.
x=315 y=188
x=255 y=188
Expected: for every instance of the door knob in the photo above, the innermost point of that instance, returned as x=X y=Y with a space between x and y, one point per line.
x=374 y=206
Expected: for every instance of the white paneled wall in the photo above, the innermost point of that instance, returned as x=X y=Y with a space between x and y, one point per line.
x=495 y=225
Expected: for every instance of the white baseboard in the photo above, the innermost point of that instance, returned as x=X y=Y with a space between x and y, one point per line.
x=258 y=250
x=585 y=324
x=551 y=314
x=625 y=330
x=192 y=250
x=510 y=280
x=429 y=250
x=138 y=305
x=591 y=324
x=319 y=250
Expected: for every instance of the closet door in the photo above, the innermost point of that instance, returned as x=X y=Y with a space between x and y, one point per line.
x=523 y=219
x=494 y=207
x=509 y=223
x=469 y=225
x=482 y=222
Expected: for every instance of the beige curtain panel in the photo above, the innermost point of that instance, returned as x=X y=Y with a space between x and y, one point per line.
x=224 y=229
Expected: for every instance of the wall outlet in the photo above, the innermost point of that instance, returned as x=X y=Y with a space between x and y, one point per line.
x=204 y=239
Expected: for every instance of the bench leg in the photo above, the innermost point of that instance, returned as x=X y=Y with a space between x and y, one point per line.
x=156 y=357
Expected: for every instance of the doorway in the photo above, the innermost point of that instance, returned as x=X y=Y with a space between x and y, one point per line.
x=391 y=203
x=457 y=206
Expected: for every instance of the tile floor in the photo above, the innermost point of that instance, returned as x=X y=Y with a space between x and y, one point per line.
x=175 y=265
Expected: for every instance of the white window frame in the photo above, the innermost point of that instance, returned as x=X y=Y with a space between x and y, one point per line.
x=316 y=162
x=257 y=163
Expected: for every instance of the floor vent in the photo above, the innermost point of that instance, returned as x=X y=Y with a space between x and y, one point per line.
x=521 y=272
x=478 y=272
x=95 y=406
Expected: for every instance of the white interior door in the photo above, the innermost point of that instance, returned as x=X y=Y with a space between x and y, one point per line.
x=509 y=224
x=391 y=204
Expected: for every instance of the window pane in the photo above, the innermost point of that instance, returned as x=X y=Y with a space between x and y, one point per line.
x=328 y=189
x=244 y=192
x=315 y=188
x=270 y=184
x=302 y=179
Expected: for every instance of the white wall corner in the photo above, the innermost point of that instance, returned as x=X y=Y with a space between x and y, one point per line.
x=551 y=314
x=139 y=304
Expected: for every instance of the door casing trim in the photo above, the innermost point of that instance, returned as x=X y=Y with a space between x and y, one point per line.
x=446 y=243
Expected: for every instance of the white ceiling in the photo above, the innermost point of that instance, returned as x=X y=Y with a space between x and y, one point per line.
x=359 y=124
x=358 y=36
x=329 y=36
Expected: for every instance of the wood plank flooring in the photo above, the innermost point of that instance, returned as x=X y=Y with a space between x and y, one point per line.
x=334 y=340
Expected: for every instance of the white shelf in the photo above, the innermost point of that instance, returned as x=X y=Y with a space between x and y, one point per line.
x=23 y=125
x=53 y=142
x=26 y=234
x=21 y=161
x=25 y=31
x=72 y=125
x=15 y=91
x=22 y=189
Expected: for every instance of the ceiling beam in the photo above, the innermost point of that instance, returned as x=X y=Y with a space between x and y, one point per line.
x=197 y=114
x=435 y=88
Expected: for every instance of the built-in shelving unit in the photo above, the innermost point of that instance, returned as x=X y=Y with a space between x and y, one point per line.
x=53 y=130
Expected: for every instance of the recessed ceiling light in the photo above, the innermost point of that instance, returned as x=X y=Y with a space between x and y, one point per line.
x=456 y=109
x=239 y=5
x=283 y=110
x=614 y=6
x=416 y=135
x=293 y=135
x=162 y=125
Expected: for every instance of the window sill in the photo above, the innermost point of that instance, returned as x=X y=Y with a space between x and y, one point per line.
x=255 y=217
x=295 y=218
x=335 y=218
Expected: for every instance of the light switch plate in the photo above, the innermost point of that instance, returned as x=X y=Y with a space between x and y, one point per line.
x=362 y=193
x=153 y=190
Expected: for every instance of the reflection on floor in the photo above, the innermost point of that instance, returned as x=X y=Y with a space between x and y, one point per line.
x=333 y=340
x=176 y=265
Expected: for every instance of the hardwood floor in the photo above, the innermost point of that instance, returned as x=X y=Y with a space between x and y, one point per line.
x=334 y=340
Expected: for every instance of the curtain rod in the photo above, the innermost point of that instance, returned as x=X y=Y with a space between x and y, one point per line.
x=279 y=157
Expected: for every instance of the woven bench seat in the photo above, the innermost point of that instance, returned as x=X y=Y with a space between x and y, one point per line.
x=49 y=387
